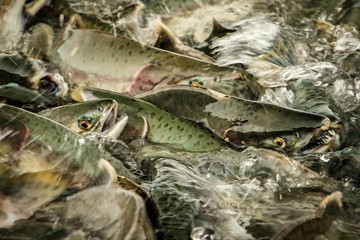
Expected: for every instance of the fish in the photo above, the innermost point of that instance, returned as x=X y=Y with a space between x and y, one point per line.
x=12 y=23
x=31 y=73
x=122 y=213
x=312 y=226
x=86 y=117
x=123 y=65
x=117 y=18
x=24 y=193
x=97 y=121
x=168 y=41
x=245 y=122
x=172 y=7
x=16 y=92
x=163 y=127
x=38 y=41
x=80 y=154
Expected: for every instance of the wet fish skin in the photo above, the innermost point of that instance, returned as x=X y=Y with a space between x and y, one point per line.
x=240 y=121
x=12 y=23
x=84 y=154
x=25 y=71
x=102 y=126
x=24 y=193
x=16 y=92
x=38 y=41
x=117 y=17
x=102 y=114
x=310 y=227
x=164 y=128
x=126 y=61
x=121 y=212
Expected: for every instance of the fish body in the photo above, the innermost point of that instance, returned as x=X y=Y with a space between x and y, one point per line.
x=240 y=121
x=123 y=65
x=31 y=73
x=312 y=226
x=22 y=94
x=24 y=193
x=12 y=23
x=67 y=144
x=163 y=127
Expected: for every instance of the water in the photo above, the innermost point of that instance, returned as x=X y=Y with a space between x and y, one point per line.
x=228 y=194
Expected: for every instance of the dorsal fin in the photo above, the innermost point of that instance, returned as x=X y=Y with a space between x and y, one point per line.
x=166 y=38
x=168 y=41
x=218 y=31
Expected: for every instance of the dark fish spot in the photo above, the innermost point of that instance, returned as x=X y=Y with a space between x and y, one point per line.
x=130 y=53
x=116 y=59
x=141 y=52
x=94 y=44
x=189 y=136
x=149 y=56
x=231 y=104
x=166 y=124
x=159 y=126
x=181 y=129
x=125 y=61
x=112 y=43
x=170 y=128
x=113 y=55
x=201 y=135
x=168 y=138
x=121 y=47
x=128 y=44
x=160 y=118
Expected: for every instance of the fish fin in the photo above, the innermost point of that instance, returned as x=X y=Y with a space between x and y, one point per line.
x=331 y=204
x=142 y=80
x=128 y=184
x=106 y=174
x=218 y=31
x=168 y=41
x=166 y=38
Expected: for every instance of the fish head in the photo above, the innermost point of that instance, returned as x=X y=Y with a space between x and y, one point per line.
x=299 y=141
x=32 y=73
x=49 y=83
x=86 y=117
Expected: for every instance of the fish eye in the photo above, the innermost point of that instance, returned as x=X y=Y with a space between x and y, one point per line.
x=100 y=108
x=47 y=85
x=280 y=142
x=86 y=122
x=197 y=82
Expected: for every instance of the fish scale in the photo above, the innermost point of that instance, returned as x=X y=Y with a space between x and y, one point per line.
x=118 y=61
x=164 y=128
x=84 y=153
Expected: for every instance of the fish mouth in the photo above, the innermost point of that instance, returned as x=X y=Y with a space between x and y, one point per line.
x=109 y=114
x=323 y=141
x=50 y=83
